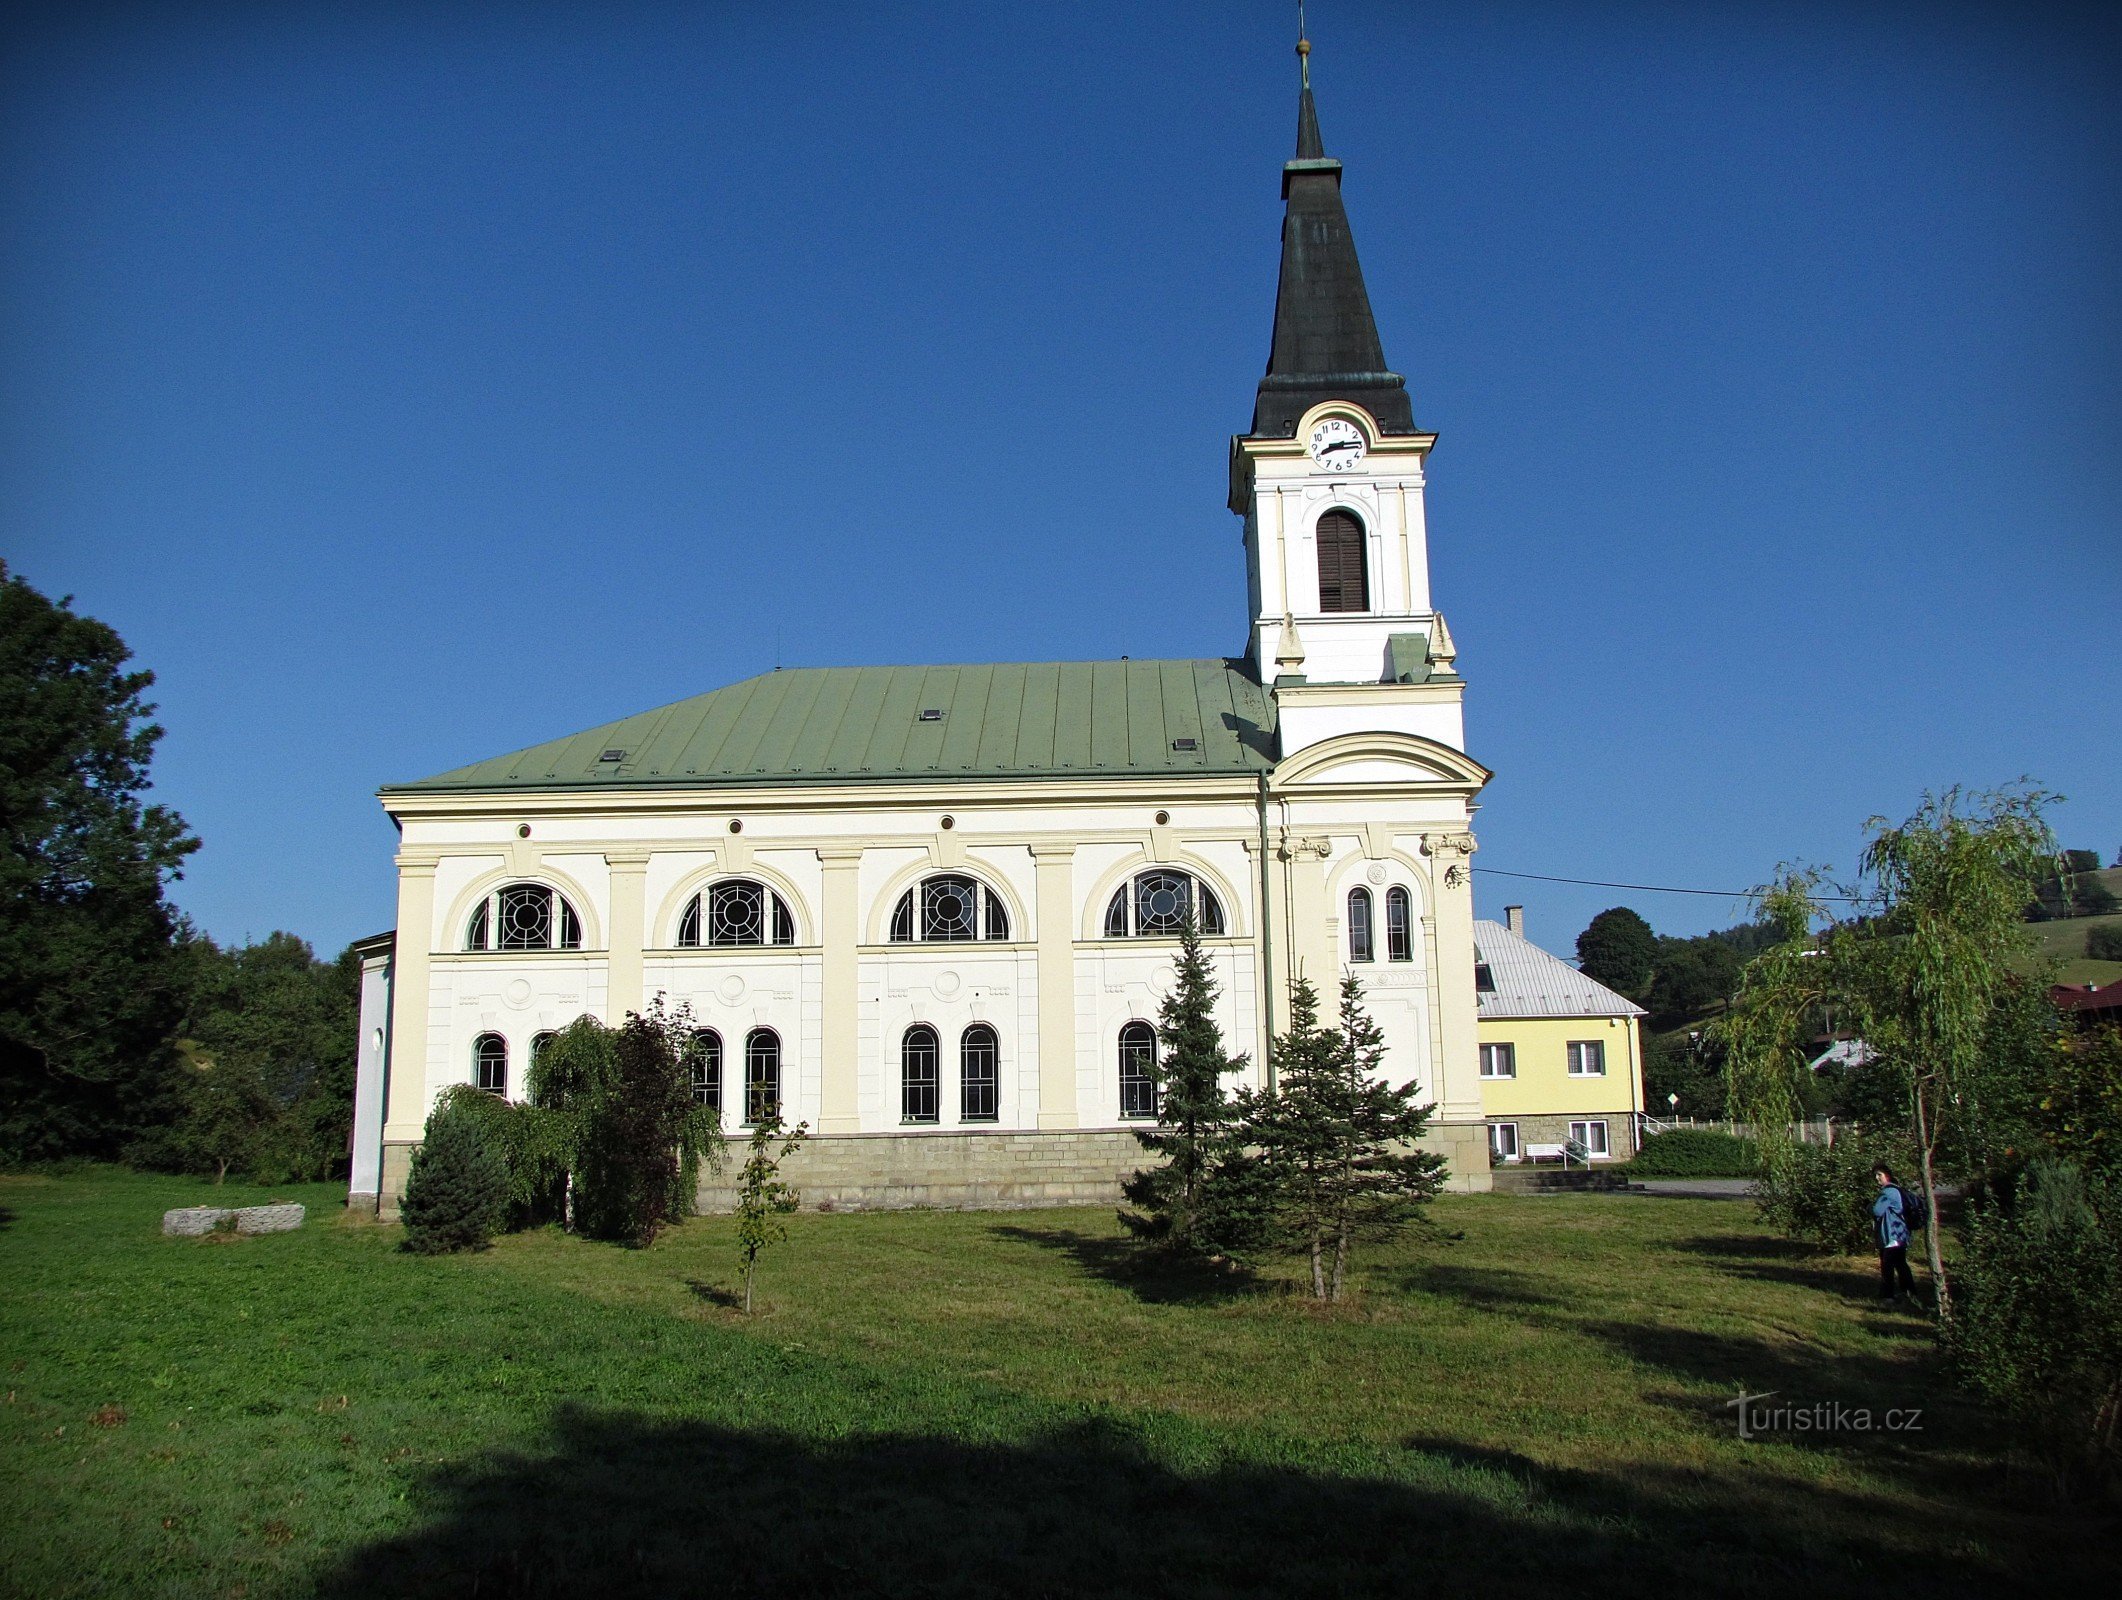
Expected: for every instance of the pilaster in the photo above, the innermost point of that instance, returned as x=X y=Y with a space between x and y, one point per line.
x=406 y=1113
x=1452 y=889
x=626 y=932
x=1055 y=866
x=840 y=933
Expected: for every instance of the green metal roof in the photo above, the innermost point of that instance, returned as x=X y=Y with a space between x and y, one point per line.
x=812 y=725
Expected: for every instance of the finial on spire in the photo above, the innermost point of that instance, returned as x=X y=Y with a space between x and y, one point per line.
x=1304 y=48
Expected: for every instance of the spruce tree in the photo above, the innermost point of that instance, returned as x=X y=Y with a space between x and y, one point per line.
x=1177 y=1204
x=1334 y=1144
x=457 y=1192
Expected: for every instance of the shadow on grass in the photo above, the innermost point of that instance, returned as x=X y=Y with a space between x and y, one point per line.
x=616 y=1504
x=1779 y=1261
x=1489 y=1288
x=715 y=1295
x=1149 y=1275
x=7 y=1218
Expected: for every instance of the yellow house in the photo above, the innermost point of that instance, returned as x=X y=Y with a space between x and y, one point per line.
x=1561 y=1055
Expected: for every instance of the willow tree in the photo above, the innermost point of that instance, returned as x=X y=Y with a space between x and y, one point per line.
x=1922 y=973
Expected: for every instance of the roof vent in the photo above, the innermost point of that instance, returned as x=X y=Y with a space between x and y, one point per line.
x=612 y=755
x=931 y=714
x=1186 y=744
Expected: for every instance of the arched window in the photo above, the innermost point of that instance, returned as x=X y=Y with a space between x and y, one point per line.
x=979 y=1074
x=1399 y=925
x=920 y=1074
x=1344 y=575
x=1155 y=905
x=1360 y=943
x=1138 y=1070
x=949 y=907
x=490 y=1063
x=524 y=916
x=762 y=1075
x=736 y=911
x=703 y=1054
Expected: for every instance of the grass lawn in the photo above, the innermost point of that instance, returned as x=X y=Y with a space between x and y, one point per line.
x=952 y=1404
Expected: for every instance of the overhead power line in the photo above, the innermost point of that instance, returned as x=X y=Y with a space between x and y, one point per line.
x=1646 y=888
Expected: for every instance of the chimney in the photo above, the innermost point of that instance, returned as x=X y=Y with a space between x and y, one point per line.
x=1514 y=919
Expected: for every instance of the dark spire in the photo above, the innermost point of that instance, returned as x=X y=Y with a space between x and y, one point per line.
x=1326 y=340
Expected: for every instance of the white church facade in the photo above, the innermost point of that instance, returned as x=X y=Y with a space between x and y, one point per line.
x=932 y=911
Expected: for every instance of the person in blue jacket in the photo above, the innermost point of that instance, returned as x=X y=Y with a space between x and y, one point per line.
x=1890 y=1216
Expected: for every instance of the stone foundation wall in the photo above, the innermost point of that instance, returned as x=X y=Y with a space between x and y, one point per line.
x=1620 y=1131
x=962 y=1170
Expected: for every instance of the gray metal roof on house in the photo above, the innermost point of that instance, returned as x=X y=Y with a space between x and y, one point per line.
x=831 y=725
x=1529 y=982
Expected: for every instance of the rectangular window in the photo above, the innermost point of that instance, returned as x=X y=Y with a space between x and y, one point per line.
x=1591 y=1135
x=1499 y=1061
x=1503 y=1141
x=1587 y=1058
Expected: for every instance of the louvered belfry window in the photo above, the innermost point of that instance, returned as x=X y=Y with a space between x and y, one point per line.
x=1344 y=583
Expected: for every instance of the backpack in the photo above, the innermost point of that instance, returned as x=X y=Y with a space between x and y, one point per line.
x=1915 y=1210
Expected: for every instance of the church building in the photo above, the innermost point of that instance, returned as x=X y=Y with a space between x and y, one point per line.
x=931 y=911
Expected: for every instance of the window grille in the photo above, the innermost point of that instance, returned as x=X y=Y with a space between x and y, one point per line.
x=949 y=908
x=704 y=1056
x=762 y=1075
x=979 y=1074
x=1359 y=930
x=736 y=912
x=1156 y=904
x=920 y=1070
x=1399 y=925
x=523 y=916
x=1138 y=1070
x=490 y=1063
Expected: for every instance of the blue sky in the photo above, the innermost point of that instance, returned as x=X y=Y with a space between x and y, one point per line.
x=409 y=383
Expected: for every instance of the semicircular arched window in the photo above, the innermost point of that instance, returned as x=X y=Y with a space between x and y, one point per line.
x=490 y=1063
x=979 y=1074
x=1399 y=925
x=1138 y=1070
x=1344 y=571
x=762 y=1076
x=1156 y=904
x=734 y=912
x=703 y=1060
x=920 y=1074
x=524 y=916
x=949 y=908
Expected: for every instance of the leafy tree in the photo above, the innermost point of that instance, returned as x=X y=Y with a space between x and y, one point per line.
x=456 y=1194
x=2067 y=887
x=230 y=1119
x=2104 y=943
x=89 y=997
x=2081 y=861
x=1688 y=1067
x=1692 y=975
x=1619 y=950
x=1196 y=1117
x=274 y=1014
x=2040 y=1327
x=762 y=1198
x=2080 y=1112
x=1929 y=978
x=641 y=1137
x=1333 y=1145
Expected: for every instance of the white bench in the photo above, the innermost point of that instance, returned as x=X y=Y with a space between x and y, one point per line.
x=1544 y=1152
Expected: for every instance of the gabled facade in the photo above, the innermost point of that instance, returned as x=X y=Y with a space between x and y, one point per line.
x=932 y=911
x=1561 y=1054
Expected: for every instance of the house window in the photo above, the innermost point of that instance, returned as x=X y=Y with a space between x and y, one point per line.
x=524 y=916
x=736 y=912
x=1359 y=932
x=919 y=1070
x=1344 y=578
x=1587 y=1058
x=1138 y=1070
x=1399 y=926
x=762 y=1076
x=704 y=1056
x=949 y=908
x=979 y=1074
x=1503 y=1141
x=1591 y=1135
x=490 y=1063
x=1155 y=905
x=1499 y=1061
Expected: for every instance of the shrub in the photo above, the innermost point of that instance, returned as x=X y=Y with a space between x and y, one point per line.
x=2039 y=1326
x=1696 y=1153
x=456 y=1195
x=2104 y=943
x=640 y=1137
x=1822 y=1194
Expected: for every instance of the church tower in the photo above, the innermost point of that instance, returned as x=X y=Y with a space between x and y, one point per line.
x=1329 y=481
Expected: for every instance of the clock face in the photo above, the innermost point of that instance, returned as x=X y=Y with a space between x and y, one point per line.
x=1337 y=444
